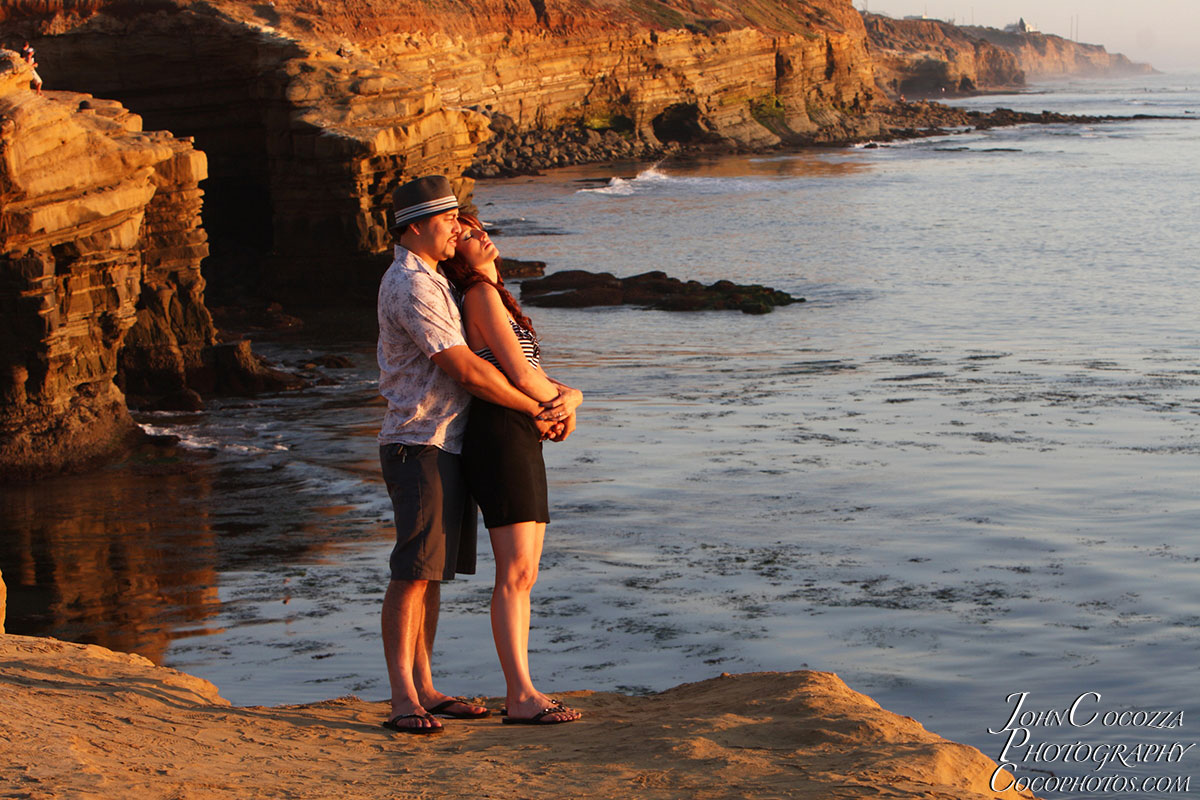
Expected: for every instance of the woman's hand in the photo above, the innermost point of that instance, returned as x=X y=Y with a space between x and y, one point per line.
x=563 y=405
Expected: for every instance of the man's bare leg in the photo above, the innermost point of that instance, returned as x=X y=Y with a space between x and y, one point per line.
x=404 y=623
x=423 y=664
x=423 y=658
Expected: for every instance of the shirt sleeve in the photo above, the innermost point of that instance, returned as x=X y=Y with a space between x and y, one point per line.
x=426 y=314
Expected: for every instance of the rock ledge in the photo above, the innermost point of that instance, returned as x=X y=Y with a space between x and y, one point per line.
x=82 y=721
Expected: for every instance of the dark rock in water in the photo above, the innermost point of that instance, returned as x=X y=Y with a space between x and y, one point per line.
x=516 y=268
x=183 y=400
x=223 y=369
x=510 y=151
x=579 y=288
x=333 y=362
x=233 y=369
x=234 y=321
x=573 y=279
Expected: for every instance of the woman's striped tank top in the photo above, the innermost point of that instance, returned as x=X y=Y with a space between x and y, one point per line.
x=529 y=346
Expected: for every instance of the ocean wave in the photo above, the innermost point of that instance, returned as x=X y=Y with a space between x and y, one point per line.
x=192 y=441
x=625 y=187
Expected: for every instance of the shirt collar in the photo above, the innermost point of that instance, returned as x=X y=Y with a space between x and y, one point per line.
x=410 y=260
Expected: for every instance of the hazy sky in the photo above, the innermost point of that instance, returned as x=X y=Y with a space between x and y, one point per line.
x=1165 y=33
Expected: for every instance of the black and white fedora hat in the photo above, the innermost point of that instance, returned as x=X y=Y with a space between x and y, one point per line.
x=422 y=197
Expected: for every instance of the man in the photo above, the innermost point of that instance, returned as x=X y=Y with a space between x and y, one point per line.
x=427 y=376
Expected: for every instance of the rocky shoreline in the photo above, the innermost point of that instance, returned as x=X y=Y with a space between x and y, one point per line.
x=511 y=153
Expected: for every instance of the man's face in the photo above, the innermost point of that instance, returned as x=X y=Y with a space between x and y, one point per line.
x=441 y=232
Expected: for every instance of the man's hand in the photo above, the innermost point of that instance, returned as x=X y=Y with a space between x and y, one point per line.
x=563 y=429
x=483 y=380
x=547 y=428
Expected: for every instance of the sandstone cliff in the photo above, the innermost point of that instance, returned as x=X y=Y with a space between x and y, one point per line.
x=100 y=283
x=801 y=74
x=927 y=57
x=99 y=238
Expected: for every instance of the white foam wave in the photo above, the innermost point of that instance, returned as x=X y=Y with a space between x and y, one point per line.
x=193 y=441
x=625 y=187
x=655 y=181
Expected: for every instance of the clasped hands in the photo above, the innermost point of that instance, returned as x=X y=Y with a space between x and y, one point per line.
x=556 y=421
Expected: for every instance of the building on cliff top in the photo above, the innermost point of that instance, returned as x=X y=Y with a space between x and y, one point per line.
x=1020 y=26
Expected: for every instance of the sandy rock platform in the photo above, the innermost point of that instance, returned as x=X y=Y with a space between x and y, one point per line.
x=80 y=721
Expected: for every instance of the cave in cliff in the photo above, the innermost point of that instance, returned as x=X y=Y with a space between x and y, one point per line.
x=680 y=123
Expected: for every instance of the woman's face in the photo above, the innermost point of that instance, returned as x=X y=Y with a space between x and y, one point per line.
x=476 y=247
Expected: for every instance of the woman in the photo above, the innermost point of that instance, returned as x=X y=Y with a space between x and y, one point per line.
x=502 y=459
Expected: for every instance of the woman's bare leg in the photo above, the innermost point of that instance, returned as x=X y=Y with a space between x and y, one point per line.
x=518 y=549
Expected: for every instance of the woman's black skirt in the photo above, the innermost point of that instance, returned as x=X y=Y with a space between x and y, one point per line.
x=502 y=461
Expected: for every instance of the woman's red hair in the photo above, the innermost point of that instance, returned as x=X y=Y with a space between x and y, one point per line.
x=463 y=276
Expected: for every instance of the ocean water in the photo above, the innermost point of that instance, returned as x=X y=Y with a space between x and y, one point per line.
x=962 y=475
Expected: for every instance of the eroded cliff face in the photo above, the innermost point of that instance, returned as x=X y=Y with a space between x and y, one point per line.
x=809 y=77
x=1046 y=56
x=95 y=215
x=925 y=57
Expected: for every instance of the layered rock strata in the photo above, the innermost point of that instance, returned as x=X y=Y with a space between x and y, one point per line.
x=100 y=282
x=926 y=57
x=740 y=87
x=99 y=237
x=626 y=64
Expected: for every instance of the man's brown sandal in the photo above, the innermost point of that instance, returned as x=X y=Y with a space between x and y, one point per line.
x=393 y=724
